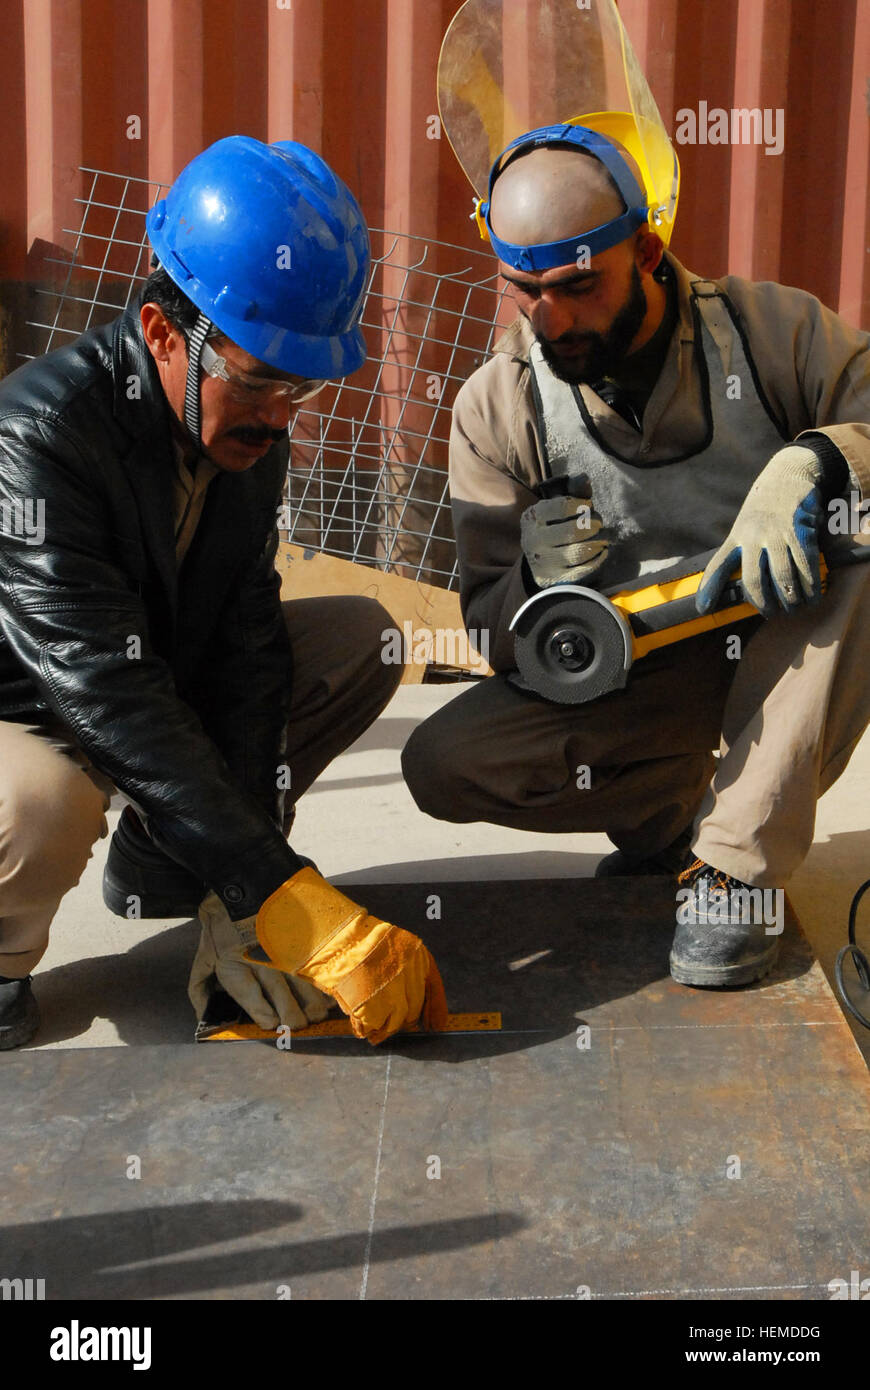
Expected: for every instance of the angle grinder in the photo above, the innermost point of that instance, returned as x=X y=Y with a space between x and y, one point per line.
x=574 y=644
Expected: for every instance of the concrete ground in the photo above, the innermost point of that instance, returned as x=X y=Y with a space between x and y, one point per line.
x=360 y=824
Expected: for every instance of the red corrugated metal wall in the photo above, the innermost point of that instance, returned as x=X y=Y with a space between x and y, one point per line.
x=356 y=80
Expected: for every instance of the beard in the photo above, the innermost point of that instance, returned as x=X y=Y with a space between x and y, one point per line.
x=605 y=352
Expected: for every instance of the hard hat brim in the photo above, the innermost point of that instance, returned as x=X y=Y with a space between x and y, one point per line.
x=326 y=358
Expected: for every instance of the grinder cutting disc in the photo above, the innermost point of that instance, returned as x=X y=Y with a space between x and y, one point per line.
x=571 y=646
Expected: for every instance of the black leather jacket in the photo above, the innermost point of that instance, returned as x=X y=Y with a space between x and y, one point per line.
x=187 y=722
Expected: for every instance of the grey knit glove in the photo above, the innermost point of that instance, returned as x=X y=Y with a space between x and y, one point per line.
x=263 y=992
x=559 y=538
x=775 y=538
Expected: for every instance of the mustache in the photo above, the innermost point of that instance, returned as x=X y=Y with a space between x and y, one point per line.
x=248 y=435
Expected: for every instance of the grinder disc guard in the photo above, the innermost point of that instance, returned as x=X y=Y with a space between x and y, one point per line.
x=571 y=646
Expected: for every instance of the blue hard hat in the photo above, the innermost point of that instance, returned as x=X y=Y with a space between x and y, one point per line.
x=272 y=247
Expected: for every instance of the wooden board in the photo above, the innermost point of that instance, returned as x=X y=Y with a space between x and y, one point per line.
x=417 y=609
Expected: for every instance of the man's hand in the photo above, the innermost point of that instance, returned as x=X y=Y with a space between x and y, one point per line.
x=382 y=977
x=775 y=538
x=559 y=538
x=262 y=991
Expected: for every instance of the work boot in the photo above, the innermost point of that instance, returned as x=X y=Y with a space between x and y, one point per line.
x=667 y=863
x=19 y=1012
x=137 y=869
x=722 y=937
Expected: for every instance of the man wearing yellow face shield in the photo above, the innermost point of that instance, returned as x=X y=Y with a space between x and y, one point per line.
x=680 y=415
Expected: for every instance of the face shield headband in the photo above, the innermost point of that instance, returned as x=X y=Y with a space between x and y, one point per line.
x=550 y=254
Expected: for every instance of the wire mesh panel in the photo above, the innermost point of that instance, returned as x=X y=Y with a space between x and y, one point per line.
x=368 y=475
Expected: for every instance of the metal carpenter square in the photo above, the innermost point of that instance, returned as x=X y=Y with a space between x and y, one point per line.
x=340 y=1028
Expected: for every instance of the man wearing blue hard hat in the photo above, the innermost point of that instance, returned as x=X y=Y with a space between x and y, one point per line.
x=143 y=642
x=633 y=417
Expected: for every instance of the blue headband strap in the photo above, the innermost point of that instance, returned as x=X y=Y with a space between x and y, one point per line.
x=549 y=254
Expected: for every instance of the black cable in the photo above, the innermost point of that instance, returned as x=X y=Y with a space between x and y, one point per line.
x=862 y=965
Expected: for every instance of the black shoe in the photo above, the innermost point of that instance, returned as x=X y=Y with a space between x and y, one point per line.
x=723 y=934
x=19 y=1012
x=136 y=869
x=669 y=861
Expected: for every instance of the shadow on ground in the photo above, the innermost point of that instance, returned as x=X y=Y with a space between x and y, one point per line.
x=89 y=1257
x=478 y=868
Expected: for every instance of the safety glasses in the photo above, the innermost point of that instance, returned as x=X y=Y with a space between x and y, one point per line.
x=246 y=388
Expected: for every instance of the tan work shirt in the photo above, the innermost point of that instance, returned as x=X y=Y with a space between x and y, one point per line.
x=813 y=368
x=188 y=497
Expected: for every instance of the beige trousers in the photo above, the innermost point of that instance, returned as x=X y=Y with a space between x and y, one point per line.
x=53 y=802
x=638 y=763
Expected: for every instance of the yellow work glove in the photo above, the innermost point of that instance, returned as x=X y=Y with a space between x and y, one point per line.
x=381 y=976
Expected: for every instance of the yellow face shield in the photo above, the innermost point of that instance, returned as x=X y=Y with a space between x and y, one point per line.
x=510 y=66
